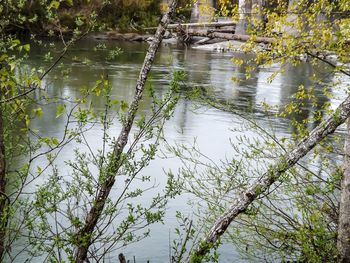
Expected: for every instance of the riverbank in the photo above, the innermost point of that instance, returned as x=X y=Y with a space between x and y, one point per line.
x=195 y=42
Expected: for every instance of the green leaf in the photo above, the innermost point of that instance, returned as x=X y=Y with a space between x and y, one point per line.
x=55 y=141
x=26 y=47
x=54 y=5
x=124 y=106
x=38 y=112
x=12 y=65
x=27 y=120
x=39 y=169
x=60 y=110
x=115 y=102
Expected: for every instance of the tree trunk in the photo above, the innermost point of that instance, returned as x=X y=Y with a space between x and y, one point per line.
x=244 y=9
x=285 y=162
x=343 y=244
x=3 y=200
x=84 y=235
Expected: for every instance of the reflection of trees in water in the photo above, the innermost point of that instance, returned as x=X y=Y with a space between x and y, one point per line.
x=216 y=70
x=203 y=68
x=183 y=59
x=247 y=95
x=302 y=74
x=84 y=70
x=241 y=94
x=245 y=90
x=197 y=64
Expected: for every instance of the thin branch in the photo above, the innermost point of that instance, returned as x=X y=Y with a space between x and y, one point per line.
x=52 y=66
x=261 y=185
x=85 y=234
x=329 y=63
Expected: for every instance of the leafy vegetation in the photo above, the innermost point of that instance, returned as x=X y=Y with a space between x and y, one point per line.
x=72 y=217
x=296 y=218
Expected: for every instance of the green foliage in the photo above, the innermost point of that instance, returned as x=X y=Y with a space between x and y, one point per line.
x=24 y=15
x=65 y=16
x=59 y=207
x=296 y=219
x=47 y=221
x=114 y=53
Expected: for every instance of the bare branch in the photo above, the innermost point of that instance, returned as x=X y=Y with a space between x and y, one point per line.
x=328 y=62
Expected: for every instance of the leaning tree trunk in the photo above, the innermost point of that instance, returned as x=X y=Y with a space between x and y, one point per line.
x=343 y=244
x=244 y=9
x=285 y=162
x=3 y=200
x=84 y=235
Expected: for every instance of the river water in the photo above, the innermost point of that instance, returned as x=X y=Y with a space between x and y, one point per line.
x=211 y=128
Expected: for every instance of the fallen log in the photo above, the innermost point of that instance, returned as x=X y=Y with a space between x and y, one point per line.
x=213 y=34
x=203 y=24
x=202 y=41
x=223 y=30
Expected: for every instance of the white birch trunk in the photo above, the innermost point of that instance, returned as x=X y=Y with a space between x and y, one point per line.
x=285 y=162
x=343 y=244
x=84 y=235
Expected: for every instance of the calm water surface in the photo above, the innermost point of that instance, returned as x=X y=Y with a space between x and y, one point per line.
x=210 y=127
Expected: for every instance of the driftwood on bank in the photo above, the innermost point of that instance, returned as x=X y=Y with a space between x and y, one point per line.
x=85 y=234
x=285 y=162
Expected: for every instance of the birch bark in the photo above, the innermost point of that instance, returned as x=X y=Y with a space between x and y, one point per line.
x=343 y=242
x=84 y=236
x=285 y=162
